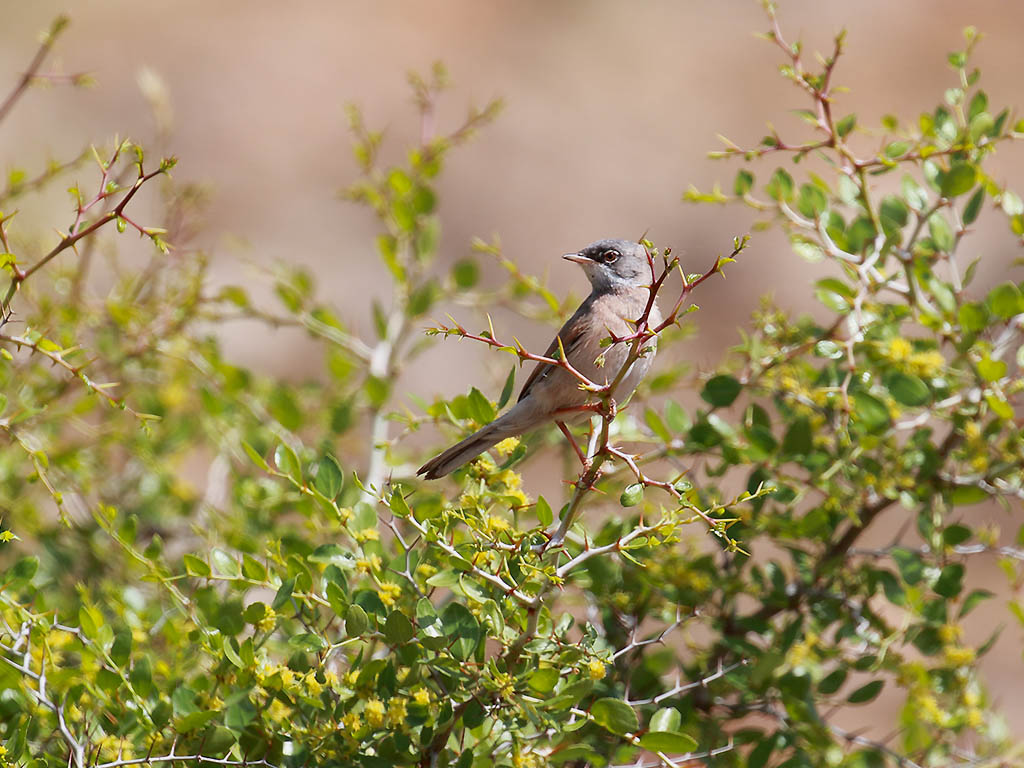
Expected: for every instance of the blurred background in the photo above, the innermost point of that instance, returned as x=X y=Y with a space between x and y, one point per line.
x=610 y=110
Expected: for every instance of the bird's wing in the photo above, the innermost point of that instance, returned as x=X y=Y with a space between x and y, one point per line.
x=571 y=334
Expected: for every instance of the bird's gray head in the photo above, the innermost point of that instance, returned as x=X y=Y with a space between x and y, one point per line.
x=614 y=264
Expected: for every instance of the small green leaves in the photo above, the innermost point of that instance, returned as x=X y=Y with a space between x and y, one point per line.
x=743 y=183
x=632 y=495
x=398 y=629
x=812 y=201
x=356 y=621
x=615 y=715
x=1005 y=301
x=957 y=180
x=950 y=580
x=721 y=391
x=907 y=389
x=780 y=186
x=866 y=692
x=329 y=478
x=846 y=124
x=462 y=629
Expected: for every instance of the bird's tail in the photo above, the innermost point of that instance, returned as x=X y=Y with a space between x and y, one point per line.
x=469 y=449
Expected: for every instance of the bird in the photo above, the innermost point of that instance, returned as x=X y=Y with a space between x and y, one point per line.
x=620 y=278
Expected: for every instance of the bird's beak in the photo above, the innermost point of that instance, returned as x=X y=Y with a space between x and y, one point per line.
x=579 y=259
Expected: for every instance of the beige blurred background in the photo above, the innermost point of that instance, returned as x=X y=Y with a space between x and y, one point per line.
x=610 y=109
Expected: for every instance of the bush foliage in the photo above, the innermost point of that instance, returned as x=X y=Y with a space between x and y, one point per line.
x=203 y=563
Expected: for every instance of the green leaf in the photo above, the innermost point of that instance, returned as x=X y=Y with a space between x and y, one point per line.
x=967 y=494
x=398 y=629
x=462 y=629
x=721 y=391
x=973 y=600
x=907 y=389
x=24 y=569
x=632 y=495
x=676 y=418
x=194 y=566
x=194 y=721
x=465 y=273
x=955 y=534
x=991 y=370
x=543 y=511
x=543 y=680
x=506 y=391
x=744 y=181
x=910 y=565
x=780 y=186
x=665 y=719
x=356 y=621
x=866 y=692
x=957 y=180
x=121 y=650
x=973 y=317
x=1005 y=300
x=896 y=149
x=329 y=478
x=832 y=682
x=973 y=207
x=845 y=125
x=812 y=201
x=950 y=580
x=940 y=232
x=893 y=213
x=287 y=462
x=615 y=715
x=306 y=641
x=480 y=408
x=797 y=441
x=870 y=412
x=255 y=457
x=668 y=741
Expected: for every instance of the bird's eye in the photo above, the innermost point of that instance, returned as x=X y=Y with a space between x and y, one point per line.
x=610 y=256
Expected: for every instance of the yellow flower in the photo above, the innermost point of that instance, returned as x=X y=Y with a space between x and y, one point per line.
x=505 y=684
x=314 y=686
x=368 y=564
x=509 y=479
x=899 y=349
x=421 y=696
x=367 y=534
x=506 y=446
x=344 y=515
x=595 y=669
x=374 y=713
x=950 y=633
x=425 y=570
x=485 y=465
x=351 y=722
x=929 y=709
x=928 y=363
x=396 y=711
x=975 y=718
x=497 y=525
x=278 y=711
x=268 y=621
x=521 y=498
x=959 y=657
x=389 y=593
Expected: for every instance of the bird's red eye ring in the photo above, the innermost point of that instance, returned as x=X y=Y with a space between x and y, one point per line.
x=610 y=256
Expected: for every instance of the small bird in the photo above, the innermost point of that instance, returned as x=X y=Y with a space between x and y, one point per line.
x=620 y=278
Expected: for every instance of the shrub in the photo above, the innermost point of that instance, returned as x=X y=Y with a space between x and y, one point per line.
x=304 y=599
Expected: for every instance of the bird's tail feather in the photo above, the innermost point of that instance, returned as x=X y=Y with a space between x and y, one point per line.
x=467 y=450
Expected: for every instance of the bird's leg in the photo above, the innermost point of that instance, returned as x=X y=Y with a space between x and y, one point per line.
x=572 y=441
